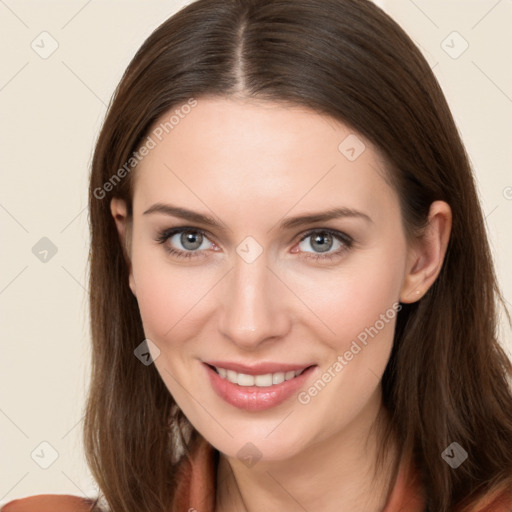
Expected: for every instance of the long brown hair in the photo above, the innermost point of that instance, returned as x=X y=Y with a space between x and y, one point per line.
x=447 y=379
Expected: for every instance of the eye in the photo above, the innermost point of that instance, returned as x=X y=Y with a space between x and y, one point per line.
x=194 y=242
x=322 y=241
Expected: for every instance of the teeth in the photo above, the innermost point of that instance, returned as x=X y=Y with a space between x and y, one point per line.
x=242 y=379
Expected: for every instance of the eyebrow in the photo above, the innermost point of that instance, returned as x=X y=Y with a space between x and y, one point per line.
x=288 y=223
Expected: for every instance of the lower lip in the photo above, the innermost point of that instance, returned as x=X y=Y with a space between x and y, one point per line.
x=256 y=398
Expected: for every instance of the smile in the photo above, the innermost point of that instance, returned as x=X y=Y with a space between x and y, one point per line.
x=258 y=391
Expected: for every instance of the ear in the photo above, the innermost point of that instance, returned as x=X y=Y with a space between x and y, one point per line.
x=124 y=226
x=426 y=257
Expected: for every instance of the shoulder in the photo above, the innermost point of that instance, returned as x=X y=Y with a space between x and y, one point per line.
x=492 y=502
x=501 y=504
x=49 y=503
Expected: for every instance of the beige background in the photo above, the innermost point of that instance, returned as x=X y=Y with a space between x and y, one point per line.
x=51 y=111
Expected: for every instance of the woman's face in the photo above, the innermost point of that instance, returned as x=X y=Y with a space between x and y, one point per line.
x=260 y=285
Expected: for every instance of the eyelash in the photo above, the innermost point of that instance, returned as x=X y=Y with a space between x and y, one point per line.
x=346 y=240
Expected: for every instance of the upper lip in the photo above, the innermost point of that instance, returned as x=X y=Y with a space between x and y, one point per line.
x=259 y=368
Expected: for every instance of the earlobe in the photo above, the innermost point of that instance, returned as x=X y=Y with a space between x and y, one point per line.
x=427 y=256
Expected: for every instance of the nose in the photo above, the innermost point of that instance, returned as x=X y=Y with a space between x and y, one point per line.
x=254 y=306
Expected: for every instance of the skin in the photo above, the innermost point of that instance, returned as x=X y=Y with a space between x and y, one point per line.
x=249 y=164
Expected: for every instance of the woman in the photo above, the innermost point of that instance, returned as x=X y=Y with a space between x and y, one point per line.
x=293 y=302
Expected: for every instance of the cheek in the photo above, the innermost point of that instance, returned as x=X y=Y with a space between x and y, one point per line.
x=359 y=305
x=169 y=297
x=353 y=298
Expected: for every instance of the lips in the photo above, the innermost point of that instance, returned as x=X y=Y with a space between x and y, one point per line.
x=256 y=398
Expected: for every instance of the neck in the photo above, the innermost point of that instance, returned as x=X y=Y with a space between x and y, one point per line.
x=335 y=474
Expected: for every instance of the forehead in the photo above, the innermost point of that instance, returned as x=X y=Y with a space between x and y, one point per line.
x=261 y=155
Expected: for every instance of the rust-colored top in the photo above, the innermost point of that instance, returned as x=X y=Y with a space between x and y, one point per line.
x=197 y=484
